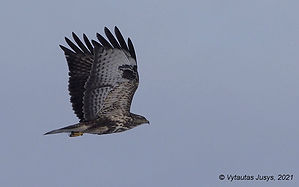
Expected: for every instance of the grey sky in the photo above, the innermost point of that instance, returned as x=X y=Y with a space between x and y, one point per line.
x=219 y=83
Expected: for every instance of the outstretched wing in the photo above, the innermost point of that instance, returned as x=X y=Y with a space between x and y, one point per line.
x=113 y=78
x=79 y=61
x=102 y=77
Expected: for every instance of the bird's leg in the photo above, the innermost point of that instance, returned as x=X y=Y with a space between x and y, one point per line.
x=74 y=134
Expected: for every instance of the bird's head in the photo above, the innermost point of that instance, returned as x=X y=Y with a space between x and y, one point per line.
x=138 y=120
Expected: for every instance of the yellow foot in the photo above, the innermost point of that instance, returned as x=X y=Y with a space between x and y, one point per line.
x=74 y=134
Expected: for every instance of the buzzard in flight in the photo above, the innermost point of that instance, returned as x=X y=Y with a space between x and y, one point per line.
x=103 y=78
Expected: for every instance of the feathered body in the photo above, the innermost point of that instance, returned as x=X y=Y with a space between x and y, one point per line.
x=103 y=80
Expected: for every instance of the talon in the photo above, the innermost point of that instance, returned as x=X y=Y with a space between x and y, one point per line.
x=74 y=134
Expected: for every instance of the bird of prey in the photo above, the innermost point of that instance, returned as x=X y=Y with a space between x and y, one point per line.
x=103 y=78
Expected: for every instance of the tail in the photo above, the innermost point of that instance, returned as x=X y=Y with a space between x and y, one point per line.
x=80 y=127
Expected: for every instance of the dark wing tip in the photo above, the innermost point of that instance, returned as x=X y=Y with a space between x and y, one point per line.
x=80 y=44
x=88 y=44
x=62 y=47
x=111 y=38
x=106 y=29
x=118 y=42
x=73 y=46
x=66 y=50
x=103 y=41
x=120 y=39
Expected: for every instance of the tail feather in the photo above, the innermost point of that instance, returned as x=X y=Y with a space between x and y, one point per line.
x=54 y=131
x=68 y=129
